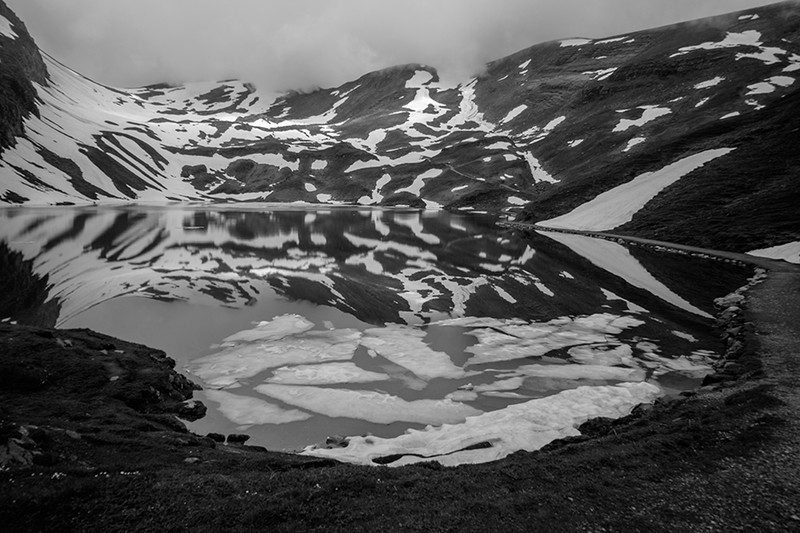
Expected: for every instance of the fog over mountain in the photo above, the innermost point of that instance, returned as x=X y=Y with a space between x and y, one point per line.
x=313 y=43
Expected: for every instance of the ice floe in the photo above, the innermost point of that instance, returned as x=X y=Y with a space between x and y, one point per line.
x=583 y=371
x=324 y=374
x=603 y=354
x=245 y=410
x=404 y=346
x=523 y=426
x=248 y=353
x=511 y=341
x=377 y=407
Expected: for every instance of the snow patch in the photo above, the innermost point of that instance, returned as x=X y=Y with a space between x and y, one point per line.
x=514 y=113
x=789 y=252
x=538 y=173
x=574 y=42
x=633 y=142
x=618 y=205
x=713 y=82
x=649 y=113
x=6 y=29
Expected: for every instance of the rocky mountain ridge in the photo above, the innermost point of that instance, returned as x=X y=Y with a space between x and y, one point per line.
x=540 y=133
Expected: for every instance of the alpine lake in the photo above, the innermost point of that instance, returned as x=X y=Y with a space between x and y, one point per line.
x=304 y=322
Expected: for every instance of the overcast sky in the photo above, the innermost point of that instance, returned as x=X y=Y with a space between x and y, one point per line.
x=294 y=44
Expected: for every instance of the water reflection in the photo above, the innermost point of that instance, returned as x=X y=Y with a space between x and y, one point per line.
x=433 y=316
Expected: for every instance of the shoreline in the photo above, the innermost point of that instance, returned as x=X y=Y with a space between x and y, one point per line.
x=619 y=474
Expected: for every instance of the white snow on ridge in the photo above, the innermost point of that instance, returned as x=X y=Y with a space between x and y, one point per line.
x=731 y=40
x=574 y=42
x=6 y=29
x=524 y=426
x=789 y=252
x=618 y=205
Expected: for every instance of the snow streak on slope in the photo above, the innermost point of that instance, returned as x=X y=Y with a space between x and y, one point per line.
x=620 y=204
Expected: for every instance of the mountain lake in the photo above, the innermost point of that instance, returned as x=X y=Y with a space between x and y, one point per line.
x=302 y=323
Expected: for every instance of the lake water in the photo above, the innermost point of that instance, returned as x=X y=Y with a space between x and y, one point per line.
x=304 y=323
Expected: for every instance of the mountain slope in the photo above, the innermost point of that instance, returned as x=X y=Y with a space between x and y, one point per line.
x=549 y=128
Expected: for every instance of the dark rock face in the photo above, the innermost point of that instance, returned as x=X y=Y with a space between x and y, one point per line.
x=22 y=65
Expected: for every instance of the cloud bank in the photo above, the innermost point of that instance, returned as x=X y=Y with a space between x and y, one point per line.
x=299 y=44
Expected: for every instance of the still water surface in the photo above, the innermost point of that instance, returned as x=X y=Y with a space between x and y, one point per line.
x=303 y=323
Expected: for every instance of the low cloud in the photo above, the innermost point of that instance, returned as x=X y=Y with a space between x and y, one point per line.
x=320 y=43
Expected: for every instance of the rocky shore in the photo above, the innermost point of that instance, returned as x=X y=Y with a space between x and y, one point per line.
x=90 y=441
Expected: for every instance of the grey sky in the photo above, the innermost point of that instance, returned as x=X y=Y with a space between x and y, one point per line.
x=286 y=44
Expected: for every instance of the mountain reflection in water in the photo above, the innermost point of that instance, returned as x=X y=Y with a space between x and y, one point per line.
x=430 y=316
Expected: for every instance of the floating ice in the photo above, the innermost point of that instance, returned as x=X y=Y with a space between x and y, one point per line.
x=524 y=426
x=404 y=346
x=377 y=407
x=577 y=372
x=603 y=354
x=271 y=349
x=277 y=328
x=244 y=410
x=515 y=341
x=324 y=374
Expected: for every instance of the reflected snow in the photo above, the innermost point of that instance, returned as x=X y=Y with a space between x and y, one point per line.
x=301 y=323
